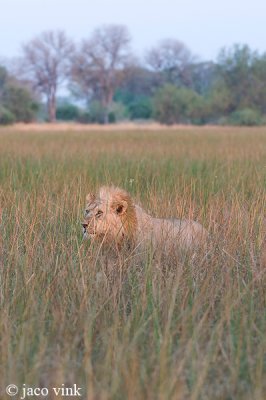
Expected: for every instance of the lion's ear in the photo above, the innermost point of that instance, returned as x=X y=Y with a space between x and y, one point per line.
x=120 y=207
x=120 y=201
x=90 y=198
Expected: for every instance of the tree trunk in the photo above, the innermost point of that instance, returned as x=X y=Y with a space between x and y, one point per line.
x=106 y=104
x=51 y=103
x=106 y=114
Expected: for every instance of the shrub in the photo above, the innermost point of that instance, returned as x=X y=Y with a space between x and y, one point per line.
x=6 y=117
x=20 y=102
x=67 y=112
x=245 y=117
x=84 y=117
x=178 y=105
x=97 y=112
x=140 y=109
x=117 y=112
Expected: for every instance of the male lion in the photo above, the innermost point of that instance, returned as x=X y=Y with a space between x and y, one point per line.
x=111 y=216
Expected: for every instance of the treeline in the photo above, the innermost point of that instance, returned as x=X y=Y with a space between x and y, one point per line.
x=106 y=82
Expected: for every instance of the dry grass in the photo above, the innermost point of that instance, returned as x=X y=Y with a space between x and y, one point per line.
x=133 y=327
x=122 y=126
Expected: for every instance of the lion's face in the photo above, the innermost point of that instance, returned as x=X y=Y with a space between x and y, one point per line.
x=106 y=215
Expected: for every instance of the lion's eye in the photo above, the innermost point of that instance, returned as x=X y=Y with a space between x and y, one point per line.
x=99 y=214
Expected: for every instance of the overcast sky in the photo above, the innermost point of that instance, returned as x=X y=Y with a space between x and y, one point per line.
x=203 y=25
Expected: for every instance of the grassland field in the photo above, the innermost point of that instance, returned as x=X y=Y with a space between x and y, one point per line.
x=182 y=328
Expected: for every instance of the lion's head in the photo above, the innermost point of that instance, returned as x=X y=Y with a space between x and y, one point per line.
x=109 y=215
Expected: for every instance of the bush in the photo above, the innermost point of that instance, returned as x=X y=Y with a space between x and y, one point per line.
x=97 y=112
x=20 y=102
x=178 y=105
x=245 y=117
x=67 y=112
x=117 y=112
x=140 y=109
x=6 y=117
x=84 y=117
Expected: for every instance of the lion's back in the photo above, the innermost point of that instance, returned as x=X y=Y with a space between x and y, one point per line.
x=186 y=233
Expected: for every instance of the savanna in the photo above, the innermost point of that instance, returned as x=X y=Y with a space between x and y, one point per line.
x=134 y=327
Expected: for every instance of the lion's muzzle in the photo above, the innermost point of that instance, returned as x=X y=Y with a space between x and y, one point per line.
x=85 y=226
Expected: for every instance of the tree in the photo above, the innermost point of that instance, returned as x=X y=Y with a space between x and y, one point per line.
x=6 y=117
x=219 y=100
x=235 y=69
x=20 y=102
x=172 y=60
x=67 y=112
x=98 y=67
x=16 y=99
x=259 y=83
x=203 y=76
x=46 y=63
x=141 y=108
x=178 y=105
x=3 y=79
x=136 y=91
x=239 y=90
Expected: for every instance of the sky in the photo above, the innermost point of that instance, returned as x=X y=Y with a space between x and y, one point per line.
x=203 y=25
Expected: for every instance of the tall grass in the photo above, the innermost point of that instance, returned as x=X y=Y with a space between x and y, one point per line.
x=132 y=327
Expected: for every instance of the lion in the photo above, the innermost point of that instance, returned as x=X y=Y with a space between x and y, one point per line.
x=111 y=216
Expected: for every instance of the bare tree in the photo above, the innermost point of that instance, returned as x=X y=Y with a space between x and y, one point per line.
x=46 y=63
x=100 y=63
x=171 y=58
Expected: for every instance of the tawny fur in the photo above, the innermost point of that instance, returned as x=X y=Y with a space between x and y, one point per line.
x=112 y=216
x=263 y=246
